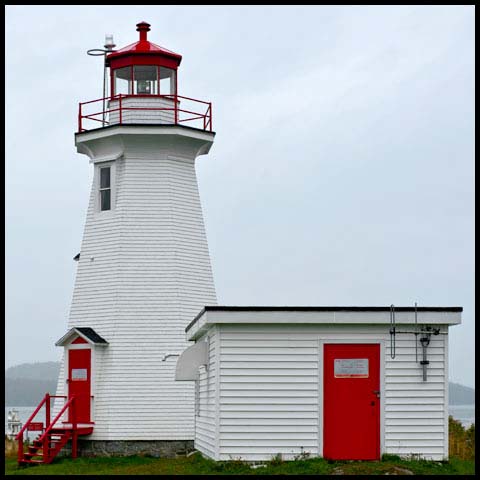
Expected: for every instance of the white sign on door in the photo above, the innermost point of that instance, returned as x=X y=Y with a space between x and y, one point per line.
x=351 y=368
x=79 y=374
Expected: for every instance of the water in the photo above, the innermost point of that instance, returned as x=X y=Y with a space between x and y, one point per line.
x=464 y=413
x=24 y=414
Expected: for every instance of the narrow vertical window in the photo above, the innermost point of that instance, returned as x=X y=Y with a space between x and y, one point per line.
x=105 y=189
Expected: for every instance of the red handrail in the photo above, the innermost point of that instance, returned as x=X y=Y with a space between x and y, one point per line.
x=19 y=436
x=62 y=411
x=43 y=441
x=32 y=416
x=188 y=115
x=44 y=438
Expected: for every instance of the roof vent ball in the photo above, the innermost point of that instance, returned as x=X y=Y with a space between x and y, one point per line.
x=143 y=28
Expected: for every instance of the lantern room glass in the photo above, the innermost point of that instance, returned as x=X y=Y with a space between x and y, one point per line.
x=167 y=81
x=123 y=78
x=145 y=81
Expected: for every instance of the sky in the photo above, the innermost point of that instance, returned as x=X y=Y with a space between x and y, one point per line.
x=342 y=171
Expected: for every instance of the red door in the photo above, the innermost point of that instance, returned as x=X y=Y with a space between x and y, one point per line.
x=79 y=383
x=351 y=390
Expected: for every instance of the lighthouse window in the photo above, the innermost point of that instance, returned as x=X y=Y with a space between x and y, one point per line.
x=122 y=80
x=145 y=79
x=167 y=81
x=105 y=189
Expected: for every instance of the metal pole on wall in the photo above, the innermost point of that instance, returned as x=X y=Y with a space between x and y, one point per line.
x=108 y=48
x=104 y=87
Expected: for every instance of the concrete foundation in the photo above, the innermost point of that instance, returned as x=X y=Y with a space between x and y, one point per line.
x=123 y=448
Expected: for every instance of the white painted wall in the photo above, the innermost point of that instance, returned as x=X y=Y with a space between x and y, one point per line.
x=271 y=387
x=144 y=272
x=205 y=434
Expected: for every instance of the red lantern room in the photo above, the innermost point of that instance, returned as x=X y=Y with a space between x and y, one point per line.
x=143 y=90
x=143 y=68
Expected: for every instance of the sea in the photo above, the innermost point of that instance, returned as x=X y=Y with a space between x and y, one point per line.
x=463 y=413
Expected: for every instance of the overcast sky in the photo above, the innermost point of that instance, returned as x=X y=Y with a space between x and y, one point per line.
x=342 y=171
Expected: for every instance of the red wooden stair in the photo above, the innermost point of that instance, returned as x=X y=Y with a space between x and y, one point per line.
x=52 y=438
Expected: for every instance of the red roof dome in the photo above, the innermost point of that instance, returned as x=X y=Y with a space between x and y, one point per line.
x=143 y=52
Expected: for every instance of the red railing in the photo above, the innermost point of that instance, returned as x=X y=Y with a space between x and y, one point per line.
x=38 y=426
x=119 y=103
x=44 y=438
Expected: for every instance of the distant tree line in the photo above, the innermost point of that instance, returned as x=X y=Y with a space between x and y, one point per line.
x=27 y=384
x=25 y=392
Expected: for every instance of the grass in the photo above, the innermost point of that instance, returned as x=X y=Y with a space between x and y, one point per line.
x=197 y=465
x=462 y=462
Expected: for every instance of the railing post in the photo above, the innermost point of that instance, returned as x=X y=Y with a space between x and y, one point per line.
x=74 y=428
x=47 y=413
x=20 y=449
x=176 y=109
x=79 y=117
x=46 y=440
x=120 y=107
x=210 y=104
x=45 y=449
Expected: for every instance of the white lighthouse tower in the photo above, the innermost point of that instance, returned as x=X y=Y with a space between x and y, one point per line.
x=144 y=269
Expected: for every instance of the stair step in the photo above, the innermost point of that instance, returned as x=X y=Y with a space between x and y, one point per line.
x=33 y=462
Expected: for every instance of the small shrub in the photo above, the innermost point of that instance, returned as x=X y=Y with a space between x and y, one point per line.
x=388 y=457
x=277 y=459
x=237 y=460
x=234 y=465
x=461 y=441
x=415 y=457
x=11 y=447
x=303 y=455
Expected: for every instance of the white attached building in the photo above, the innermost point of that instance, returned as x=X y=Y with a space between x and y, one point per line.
x=320 y=380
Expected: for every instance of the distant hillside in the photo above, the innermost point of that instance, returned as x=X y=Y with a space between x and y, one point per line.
x=34 y=371
x=460 y=395
x=25 y=392
x=26 y=384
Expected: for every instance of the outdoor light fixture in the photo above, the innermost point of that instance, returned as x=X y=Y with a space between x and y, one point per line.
x=425 y=341
x=109 y=44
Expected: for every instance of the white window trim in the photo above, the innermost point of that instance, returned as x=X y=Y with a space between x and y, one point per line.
x=113 y=189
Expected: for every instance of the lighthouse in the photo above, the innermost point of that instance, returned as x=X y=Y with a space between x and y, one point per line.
x=143 y=269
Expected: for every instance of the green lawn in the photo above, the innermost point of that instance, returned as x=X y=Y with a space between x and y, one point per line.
x=197 y=465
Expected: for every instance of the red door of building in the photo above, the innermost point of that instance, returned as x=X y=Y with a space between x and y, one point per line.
x=79 y=378
x=351 y=418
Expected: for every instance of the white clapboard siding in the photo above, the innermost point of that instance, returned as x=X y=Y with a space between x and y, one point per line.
x=134 y=110
x=205 y=434
x=269 y=391
x=255 y=384
x=144 y=273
